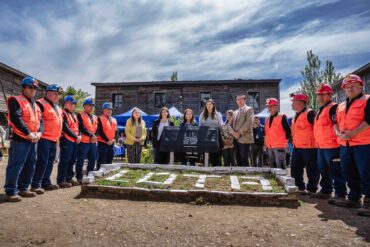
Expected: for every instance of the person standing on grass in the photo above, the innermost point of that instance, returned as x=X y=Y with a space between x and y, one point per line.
x=27 y=126
x=135 y=136
x=188 y=120
x=228 y=141
x=71 y=137
x=157 y=130
x=259 y=141
x=107 y=129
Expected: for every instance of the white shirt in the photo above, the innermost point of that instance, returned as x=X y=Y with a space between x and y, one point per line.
x=160 y=128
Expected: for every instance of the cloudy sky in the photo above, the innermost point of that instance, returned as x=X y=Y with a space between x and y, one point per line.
x=78 y=42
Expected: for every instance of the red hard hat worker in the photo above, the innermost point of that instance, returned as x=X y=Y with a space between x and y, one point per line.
x=324 y=88
x=350 y=79
x=272 y=102
x=299 y=96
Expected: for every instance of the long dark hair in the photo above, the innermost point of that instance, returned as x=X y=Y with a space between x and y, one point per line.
x=192 y=116
x=205 y=111
x=164 y=109
x=132 y=116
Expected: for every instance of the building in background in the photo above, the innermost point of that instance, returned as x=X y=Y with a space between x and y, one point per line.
x=151 y=96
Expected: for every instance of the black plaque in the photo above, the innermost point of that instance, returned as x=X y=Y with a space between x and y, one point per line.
x=190 y=139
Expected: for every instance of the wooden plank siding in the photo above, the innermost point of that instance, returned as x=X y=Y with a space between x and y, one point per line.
x=183 y=95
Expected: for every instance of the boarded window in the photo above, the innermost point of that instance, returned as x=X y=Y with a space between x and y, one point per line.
x=254 y=100
x=204 y=96
x=159 y=100
x=117 y=100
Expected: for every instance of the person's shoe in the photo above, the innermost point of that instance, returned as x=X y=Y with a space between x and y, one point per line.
x=38 y=190
x=365 y=210
x=348 y=203
x=303 y=192
x=26 y=193
x=320 y=195
x=336 y=198
x=73 y=182
x=51 y=187
x=13 y=198
x=64 y=185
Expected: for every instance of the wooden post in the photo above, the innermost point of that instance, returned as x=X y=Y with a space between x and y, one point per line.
x=206 y=159
x=172 y=158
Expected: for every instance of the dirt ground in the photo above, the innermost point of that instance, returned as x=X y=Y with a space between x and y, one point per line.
x=63 y=218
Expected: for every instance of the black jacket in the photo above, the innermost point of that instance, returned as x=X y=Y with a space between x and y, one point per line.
x=155 y=132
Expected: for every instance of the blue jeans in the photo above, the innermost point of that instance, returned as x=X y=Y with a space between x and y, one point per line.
x=355 y=162
x=242 y=153
x=21 y=166
x=105 y=154
x=331 y=172
x=46 y=151
x=68 y=156
x=85 y=150
x=301 y=158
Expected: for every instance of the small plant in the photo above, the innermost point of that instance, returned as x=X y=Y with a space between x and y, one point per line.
x=200 y=201
x=147 y=155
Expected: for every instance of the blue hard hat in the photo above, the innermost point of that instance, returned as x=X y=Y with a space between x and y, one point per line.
x=54 y=88
x=70 y=98
x=30 y=81
x=107 y=105
x=89 y=101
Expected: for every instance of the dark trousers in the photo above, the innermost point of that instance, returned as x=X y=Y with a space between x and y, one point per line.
x=355 y=163
x=105 y=154
x=68 y=156
x=161 y=157
x=46 y=151
x=242 y=152
x=257 y=154
x=305 y=158
x=229 y=157
x=134 y=153
x=21 y=166
x=85 y=150
x=331 y=172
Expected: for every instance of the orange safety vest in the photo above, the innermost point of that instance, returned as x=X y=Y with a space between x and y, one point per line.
x=354 y=117
x=108 y=128
x=302 y=132
x=324 y=129
x=90 y=126
x=72 y=124
x=275 y=136
x=31 y=117
x=53 y=121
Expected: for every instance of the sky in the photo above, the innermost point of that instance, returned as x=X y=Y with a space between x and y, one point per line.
x=83 y=41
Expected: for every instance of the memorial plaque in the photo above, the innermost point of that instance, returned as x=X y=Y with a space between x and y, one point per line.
x=190 y=139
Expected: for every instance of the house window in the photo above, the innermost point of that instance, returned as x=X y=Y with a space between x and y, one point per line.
x=254 y=100
x=204 y=96
x=159 y=99
x=117 y=100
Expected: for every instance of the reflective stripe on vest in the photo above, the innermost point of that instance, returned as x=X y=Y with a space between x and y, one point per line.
x=275 y=136
x=53 y=121
x=72 y=123
x=31 y=117
x=90 y=126
x=354 y=117
x=108 y=128
x=302 y=131
x=324 y=129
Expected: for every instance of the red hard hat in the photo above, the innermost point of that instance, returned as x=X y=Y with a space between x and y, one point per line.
x=350 y=79
x=300 y=96
x=272 y=102
x=324 y=88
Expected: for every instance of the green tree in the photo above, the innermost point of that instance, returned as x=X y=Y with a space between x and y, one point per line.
x=174 y=76
x=313 y=76
x=79 y=95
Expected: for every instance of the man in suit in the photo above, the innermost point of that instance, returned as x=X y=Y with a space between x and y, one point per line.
x=242 y=123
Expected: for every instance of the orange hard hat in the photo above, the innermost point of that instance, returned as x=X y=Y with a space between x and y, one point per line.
x=350 y=79
x=300 y=96
x=272 y=102
x=324 y=88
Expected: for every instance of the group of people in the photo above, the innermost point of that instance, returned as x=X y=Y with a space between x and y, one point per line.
x=38 y=126
x=333 y=143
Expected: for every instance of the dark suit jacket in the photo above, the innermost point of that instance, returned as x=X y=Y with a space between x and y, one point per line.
x=155 y=132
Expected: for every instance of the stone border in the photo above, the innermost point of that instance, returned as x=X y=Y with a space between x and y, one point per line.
x=288 y=198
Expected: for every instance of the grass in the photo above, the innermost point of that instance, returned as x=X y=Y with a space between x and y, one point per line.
x=186 y=183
